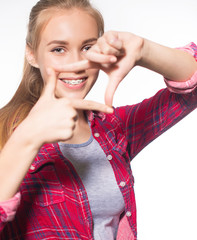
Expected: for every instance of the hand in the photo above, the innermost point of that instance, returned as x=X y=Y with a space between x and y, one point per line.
x=117 y=53
x=53 y=119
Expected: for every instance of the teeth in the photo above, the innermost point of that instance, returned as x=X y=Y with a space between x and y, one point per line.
x=74 y=82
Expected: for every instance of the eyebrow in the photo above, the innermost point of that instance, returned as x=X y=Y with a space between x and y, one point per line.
x=66 y=43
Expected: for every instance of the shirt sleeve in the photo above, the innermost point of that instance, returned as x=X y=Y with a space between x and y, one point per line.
x=189 y=85
x=143 y=122
x=124 y=230
x=8 y=209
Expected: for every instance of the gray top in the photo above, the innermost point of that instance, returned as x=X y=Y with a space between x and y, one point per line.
x=96 y=173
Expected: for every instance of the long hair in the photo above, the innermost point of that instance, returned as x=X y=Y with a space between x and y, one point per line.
x=31 y=85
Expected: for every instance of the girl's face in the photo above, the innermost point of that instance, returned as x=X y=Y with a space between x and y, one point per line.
x=65 y=40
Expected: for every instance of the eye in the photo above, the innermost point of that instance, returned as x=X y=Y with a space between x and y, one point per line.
x=86 y=48
x=58 y=50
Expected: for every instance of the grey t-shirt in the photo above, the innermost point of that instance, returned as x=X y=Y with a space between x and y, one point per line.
x=105 y=198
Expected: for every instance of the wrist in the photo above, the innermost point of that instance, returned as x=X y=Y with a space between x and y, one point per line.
x=137 y=47
x=26 y=136
x=144 y=53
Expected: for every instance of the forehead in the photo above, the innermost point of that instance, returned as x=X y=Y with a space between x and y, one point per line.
x=69 y=25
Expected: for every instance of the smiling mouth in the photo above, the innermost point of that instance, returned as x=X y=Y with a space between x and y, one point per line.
x=74 y=82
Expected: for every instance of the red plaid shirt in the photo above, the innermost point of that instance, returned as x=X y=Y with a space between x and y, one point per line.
x=54 y=202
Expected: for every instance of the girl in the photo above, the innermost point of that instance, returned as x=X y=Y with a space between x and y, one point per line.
x=65 y=162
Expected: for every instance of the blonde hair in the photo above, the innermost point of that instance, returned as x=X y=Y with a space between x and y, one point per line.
x=31 y=85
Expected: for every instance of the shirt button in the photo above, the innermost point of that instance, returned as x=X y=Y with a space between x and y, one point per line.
x=122 y=184
x=32 y=167
x=97 y=135
x=109 y=157
x=128 y=214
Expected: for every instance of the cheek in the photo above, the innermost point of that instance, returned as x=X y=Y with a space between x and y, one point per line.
x=44 y=63
x=54 y=62
x=46 y=60
x=43 y=74
x=94 y=73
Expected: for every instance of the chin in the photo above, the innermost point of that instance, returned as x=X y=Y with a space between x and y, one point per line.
x=70 y=95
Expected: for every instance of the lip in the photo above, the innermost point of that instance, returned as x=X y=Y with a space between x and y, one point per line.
x=73 y=86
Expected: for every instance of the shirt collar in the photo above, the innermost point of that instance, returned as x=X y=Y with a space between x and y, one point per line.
x=49 y=151
x=92 y=114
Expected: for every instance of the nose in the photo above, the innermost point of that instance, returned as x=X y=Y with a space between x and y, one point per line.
x=75 y=56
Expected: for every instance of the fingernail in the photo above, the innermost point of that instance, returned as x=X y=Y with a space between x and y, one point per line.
x=113 y=40
x=113 y=59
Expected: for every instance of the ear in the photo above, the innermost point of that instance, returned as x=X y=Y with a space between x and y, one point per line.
x=31 y=57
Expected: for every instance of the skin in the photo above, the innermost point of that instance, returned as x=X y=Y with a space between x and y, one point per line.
x=59 y=113
x=65 y=41
x=54 y=117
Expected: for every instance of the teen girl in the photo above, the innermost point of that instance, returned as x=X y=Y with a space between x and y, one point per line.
x=65 y=162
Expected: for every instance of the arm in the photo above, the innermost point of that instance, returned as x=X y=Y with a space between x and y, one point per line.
x=173 y=64
x=50 y=120
x=43 y=124
x=130 y=51
x=189 y=85
x=8 y=210
x=145 y=121
x=153 y=116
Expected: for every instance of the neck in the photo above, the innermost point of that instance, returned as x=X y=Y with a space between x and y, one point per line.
x=82 y=130
x=81 y=117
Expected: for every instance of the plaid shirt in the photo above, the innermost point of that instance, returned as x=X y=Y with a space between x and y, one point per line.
x=54 y=202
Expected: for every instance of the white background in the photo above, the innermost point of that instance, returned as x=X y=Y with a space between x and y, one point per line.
x=165 y=171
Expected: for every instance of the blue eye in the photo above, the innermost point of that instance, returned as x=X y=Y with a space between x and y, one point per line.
x=58 y=50
x=86 y=48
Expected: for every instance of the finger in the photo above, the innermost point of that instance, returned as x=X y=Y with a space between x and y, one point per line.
x=91 y=105
x=110 y=90
x=100 y=58
x=104 y=47
x=50 y=85
x=112 y=38
x=115 y=42
x=77 y=66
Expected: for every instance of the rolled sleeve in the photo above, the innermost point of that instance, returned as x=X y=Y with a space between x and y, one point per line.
x=189 y=85
x=8 y=208
x=124 y=230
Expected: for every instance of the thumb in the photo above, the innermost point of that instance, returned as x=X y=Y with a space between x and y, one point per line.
x=50 y=84
x=111 y=89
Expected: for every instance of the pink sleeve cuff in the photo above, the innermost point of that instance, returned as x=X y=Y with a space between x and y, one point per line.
x=124 y=230
x=189 y=85
x=10 y=207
